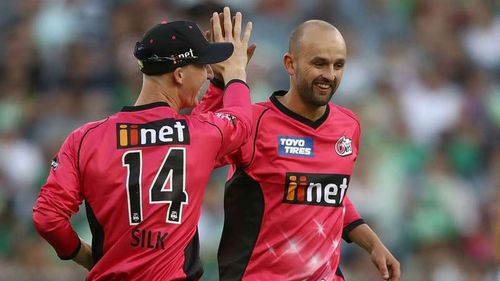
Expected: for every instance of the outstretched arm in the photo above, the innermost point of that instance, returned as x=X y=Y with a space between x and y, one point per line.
x=387 y=265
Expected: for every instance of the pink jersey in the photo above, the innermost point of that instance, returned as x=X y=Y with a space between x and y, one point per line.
x=286 y=204
x=142 y=173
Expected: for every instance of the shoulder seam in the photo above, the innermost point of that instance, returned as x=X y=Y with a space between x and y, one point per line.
x=81 y=142
x=257 y=126
x=220 y=132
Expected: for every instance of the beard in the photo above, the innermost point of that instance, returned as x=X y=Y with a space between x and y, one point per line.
x=311 y=96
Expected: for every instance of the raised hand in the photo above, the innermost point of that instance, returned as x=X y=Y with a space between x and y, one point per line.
x=224 y=30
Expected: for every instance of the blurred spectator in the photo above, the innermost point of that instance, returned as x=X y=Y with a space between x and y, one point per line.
x=482 y=34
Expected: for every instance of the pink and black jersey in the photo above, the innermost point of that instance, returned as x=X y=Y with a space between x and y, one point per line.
x=286 y=204
x=142 y=173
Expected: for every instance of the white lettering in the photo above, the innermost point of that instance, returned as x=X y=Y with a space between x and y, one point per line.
x=343 y=188
x=180 y=130
x=304 y=151
x=144 y=137
x=295 y=146
x=293 y=142
x=188 y=54
x=330 y=191
x=165 y=131
x=318 y=192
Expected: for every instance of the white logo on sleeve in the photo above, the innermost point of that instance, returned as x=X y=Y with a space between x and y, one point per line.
x=54 y=164
x=225 y=116
x=343 y=147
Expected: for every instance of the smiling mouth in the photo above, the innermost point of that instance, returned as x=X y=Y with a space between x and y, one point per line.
x=323 y=86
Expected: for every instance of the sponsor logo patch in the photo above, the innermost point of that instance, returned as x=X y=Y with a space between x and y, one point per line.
x=225 y=116
x=54 y=163
x=295 y=146
x=160 y=132
x=343 y=147
x=315 y=189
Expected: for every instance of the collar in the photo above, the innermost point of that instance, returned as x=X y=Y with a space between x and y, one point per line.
x=296 y=116
x=143 y=106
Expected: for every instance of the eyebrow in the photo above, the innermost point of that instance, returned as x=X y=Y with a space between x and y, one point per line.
x=325 y=60
x=320 y=59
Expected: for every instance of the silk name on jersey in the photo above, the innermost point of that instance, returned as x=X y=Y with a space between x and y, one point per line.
x=295 y=146
x=315 y=189
x=160 y=132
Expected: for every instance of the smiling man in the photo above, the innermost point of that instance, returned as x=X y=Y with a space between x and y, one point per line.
x=286 y=203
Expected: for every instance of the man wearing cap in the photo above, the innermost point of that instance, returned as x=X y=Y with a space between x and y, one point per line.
x=142 y=171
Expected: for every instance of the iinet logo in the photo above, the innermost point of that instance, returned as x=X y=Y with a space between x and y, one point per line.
x=160 y=132
x=315 y=189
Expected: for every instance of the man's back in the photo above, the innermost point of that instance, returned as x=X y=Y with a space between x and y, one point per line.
x=142 y=173
x=150 y=181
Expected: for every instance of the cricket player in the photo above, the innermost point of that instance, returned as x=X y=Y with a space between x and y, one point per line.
x=142 y=172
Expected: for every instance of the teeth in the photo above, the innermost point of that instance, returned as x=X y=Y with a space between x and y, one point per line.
x=323 y=86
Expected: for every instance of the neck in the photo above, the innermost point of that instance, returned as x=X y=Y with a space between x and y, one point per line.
x=154 y=89
x=294 y=102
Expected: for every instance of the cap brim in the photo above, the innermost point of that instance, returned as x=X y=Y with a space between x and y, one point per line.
x=216 y=52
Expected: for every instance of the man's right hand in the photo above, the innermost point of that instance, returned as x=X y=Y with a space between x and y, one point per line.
x=233 y=67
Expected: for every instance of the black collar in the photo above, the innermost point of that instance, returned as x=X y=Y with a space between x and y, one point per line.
x=298 y=117
x=144 y=106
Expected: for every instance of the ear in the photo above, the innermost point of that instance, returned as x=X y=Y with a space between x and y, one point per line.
x=178 y=75
x=289 y=63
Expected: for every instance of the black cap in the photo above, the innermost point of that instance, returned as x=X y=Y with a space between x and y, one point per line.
x=167 y=46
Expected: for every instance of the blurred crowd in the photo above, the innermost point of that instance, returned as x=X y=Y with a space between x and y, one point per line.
x=422 y=75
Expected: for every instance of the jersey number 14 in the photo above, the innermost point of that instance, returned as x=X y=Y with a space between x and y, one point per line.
x=171 y=171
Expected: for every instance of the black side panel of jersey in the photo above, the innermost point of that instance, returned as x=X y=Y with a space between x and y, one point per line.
x=244 y=208
x=97 y=234
x=192 y=263
x=339 y=273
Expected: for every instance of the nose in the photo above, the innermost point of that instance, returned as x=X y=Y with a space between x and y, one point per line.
x=210 y=72
x=330 y=73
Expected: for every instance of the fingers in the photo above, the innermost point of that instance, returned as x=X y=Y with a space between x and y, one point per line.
x=237 y=26
x=228 y=25
x=395 y=271
x=382 y=268
x=226 y=28
x=216 y=28
x=222 y=24
x=246 y=34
